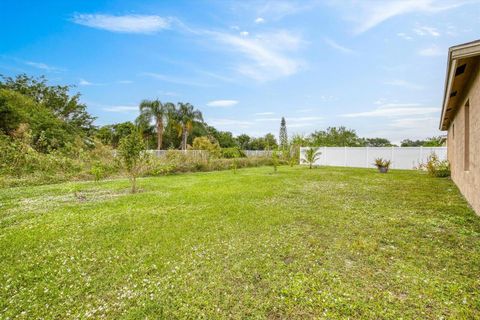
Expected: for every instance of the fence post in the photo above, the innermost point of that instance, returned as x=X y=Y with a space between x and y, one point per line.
x=366 y=160
x=421 y=154
x=393 y=150
x=345 y=156
x=325 y=157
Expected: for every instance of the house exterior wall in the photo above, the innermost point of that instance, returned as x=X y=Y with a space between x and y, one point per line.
x=467 y=181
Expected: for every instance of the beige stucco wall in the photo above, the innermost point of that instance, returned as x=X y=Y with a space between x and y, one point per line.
x=467 y=181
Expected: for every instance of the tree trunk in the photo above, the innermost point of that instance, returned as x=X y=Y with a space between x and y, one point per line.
x=159 y=134
x=184 y=138
x=134 y=186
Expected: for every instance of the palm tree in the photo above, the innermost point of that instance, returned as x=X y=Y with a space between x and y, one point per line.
x=311 y=155
x=186 y=116
x=154 y=109
x=145 y=128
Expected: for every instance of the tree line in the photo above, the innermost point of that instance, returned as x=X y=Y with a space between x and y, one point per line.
x=55 y=119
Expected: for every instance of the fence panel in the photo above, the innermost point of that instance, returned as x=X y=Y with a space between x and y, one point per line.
x=364 y=157
x=200 y=154
x=257 y=153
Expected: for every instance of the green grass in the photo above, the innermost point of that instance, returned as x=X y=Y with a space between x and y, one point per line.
x=323 y=243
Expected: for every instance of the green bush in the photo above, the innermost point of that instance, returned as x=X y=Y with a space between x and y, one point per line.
x=171 y=164
x=205 y=144
x=230 y=153
x=21 y=164
x=437 y=168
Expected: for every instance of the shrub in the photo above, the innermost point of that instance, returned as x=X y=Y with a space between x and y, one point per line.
x=168 y=165
x=294 y=155
x=382 y=164
x=437 y=168
x=311 y=155
x=204 y=143
x=275 y=160
x=97 y=171
x=159 y=168
x=230 y=153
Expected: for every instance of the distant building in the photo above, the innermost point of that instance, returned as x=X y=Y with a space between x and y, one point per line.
x=461 y=118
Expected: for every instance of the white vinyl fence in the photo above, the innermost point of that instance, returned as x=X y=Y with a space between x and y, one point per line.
x=364 y=157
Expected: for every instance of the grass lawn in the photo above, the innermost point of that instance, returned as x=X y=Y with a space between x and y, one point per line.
x=323 y=243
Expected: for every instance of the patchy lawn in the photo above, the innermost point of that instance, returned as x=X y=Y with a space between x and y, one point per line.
x=323 y=243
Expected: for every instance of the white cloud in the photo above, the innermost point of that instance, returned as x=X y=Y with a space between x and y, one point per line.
x=121 y=109
x=337 y=46
x=174 y=80
x=410 y=127
x=302 y=122
x=404 y=83
x=84 y=82
x=291 y=120
x=306 y=110
x=244 y=33
x=278 y=9
x=222 y=103
x=125 y=81
x=394 y=110
x=426 y=31
x=301 y=119
x=404 y=36
x=124 y=24
x=369 y=14
x=266 y=53
x=42 y=66
x=259 y=20
x=432 y=51
x=268 y=119
x=229 y=123
x=413 y=122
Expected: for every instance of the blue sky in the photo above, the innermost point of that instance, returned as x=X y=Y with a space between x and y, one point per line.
x=375 y=66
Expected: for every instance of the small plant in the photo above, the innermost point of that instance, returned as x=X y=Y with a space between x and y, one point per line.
x=131 y=151
x=97 y=172
x=275 y=160
x=437 y=168
x=235 y=165
x=382 y=165
x=311 y=156
x=294 y=155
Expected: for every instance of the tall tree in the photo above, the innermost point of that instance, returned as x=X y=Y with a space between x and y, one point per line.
x=157 y=111
x=243 y=141
x=186 y=116
x=58 y=99
x=148 y=131
x=270 y=141
x=283 y=137
x=377 y=142
x=336 y=137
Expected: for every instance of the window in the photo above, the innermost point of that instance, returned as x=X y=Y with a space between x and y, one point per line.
x=466 y=156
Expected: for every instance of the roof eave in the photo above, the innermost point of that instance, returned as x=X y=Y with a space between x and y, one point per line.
x=461 y=51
